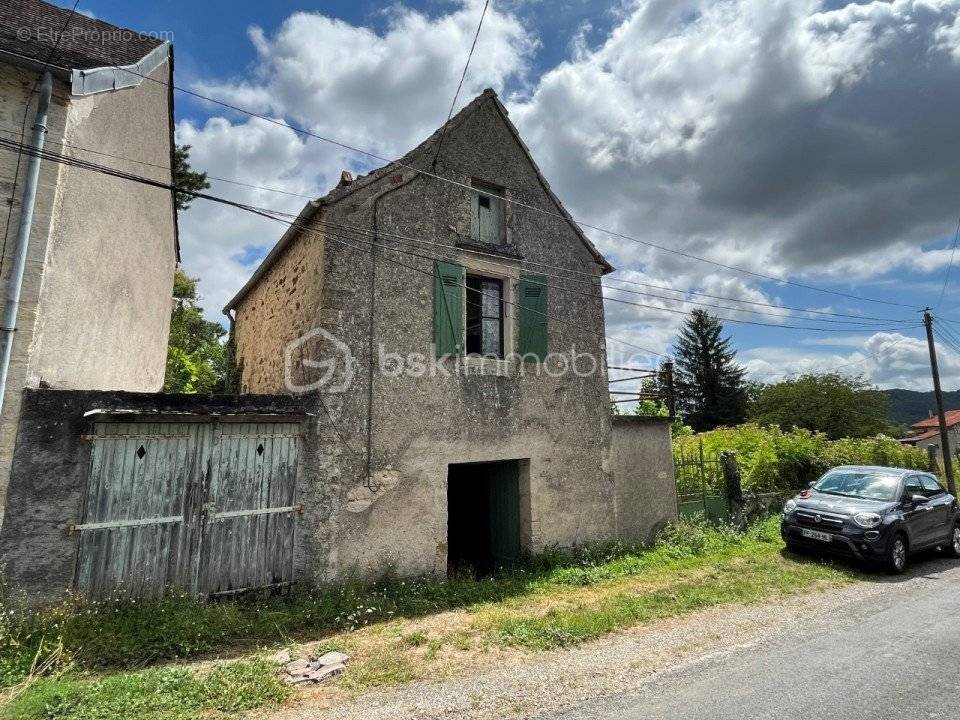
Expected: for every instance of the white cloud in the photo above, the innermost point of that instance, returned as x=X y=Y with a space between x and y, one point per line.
x=382 y=92
x=887 y=359
x=220 y=244
x=770 y=134
x=766 y=133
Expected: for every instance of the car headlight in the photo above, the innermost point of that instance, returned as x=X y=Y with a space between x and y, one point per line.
x=867 y=519
x=789 y=506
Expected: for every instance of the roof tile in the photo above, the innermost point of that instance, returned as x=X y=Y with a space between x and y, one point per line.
x=30 y=28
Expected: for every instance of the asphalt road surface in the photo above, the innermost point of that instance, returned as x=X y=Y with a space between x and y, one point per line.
x=896 y=657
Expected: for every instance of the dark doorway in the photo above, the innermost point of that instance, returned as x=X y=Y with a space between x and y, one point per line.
x=483 y=517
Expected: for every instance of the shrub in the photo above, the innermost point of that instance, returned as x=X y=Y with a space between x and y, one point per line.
x=772 y=460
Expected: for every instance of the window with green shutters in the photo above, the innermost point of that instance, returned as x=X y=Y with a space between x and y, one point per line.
x=448 y=323
x=533 y=317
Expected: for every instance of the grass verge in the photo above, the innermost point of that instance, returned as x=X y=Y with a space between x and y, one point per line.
x=63 y=663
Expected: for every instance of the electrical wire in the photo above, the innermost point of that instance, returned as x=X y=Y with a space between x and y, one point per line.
x=545 y=265
x=453 y=104
x=23 y=128
x=328 y=235
x=562 y=216
x=946 y=276
x=55 y=157
x=272 y=215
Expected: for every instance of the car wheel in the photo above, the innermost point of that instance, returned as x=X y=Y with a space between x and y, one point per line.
x=952 y=547
x=897 y=554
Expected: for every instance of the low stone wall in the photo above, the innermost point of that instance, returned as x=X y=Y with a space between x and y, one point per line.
x=641 y=462
x=52 y=462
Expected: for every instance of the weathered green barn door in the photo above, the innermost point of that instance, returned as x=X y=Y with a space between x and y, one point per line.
x=136 y=534
x=504 y=489
x=249 y=517
x=206 y=507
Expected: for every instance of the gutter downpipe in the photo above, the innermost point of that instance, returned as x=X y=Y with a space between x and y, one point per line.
x=12 y=303
x=374 y=246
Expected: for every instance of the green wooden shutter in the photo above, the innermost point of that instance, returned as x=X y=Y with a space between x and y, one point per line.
x=448 y=283
x=533 y=316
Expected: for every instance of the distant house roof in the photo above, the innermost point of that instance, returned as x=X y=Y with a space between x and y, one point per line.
x=952 y=417
x=410 y=161
x=29 y=29
x=926 y=435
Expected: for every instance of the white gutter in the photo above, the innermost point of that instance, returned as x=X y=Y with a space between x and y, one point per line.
x=12 y=305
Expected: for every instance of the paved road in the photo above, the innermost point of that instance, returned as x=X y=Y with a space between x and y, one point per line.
x=896 y=658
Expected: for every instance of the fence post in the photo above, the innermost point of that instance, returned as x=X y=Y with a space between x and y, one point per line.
x=703 y=482
x=731 y=477
x=933 y=465
x=668 y=383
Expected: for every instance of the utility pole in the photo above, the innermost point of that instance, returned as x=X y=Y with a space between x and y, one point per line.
x=945 y=452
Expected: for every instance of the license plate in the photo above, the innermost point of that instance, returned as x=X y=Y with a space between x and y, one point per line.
x=816 y=535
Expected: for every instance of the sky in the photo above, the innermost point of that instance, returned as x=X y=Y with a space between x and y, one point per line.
x=809 y=146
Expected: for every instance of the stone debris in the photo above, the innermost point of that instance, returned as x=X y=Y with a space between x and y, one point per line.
x=316 y=669
x=282 y=657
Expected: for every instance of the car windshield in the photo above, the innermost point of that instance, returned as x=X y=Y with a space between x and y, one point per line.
x=868 y=484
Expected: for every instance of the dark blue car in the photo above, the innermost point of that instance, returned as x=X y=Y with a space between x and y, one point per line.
x=877 y=514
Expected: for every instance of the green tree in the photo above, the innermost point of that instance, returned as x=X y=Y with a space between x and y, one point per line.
x=187 y=180
x=197 y=358
x=838 y=406
x=709 y=384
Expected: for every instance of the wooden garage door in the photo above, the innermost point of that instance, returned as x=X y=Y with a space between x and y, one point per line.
x=206 y=507
x=249 y=528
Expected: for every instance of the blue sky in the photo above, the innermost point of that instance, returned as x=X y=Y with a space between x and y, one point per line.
x=801 y=139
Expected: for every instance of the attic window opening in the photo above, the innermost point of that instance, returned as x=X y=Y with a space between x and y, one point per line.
x=487 y=215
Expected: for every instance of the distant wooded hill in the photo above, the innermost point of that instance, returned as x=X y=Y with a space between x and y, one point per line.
x=908 y=406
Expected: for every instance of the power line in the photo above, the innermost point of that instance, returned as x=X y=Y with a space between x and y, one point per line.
x=473 y=46
x=952 y=344
x=513 y=201
x=946 y=276
x=131 y=177
x=598 y=297
x=860 y=318
x=160 y=166
x=74 y=162
x=272 y=215
x=860 y=321
x=23 y=127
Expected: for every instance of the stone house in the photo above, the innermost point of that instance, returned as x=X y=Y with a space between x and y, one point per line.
x=454 y=335
x=926 y=433
x=95 y=300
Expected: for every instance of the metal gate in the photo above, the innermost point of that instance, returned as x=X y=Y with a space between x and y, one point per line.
x=206 y=507
x=701 y=487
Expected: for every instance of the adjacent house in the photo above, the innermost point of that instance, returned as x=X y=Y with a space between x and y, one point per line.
x=926 y=433
x=95 y=300
x=447 y=312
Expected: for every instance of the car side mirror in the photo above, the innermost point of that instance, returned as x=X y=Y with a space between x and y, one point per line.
x=918 y=500
x=811 y=484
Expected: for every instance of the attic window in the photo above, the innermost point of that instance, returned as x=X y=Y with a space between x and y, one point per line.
x=486 y=219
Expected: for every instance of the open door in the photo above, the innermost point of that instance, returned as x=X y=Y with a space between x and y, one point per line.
x=483 y=524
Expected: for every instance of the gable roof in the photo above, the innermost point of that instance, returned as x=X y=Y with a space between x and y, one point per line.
x=29 y=29
x=408 y=162
x=952 y=417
